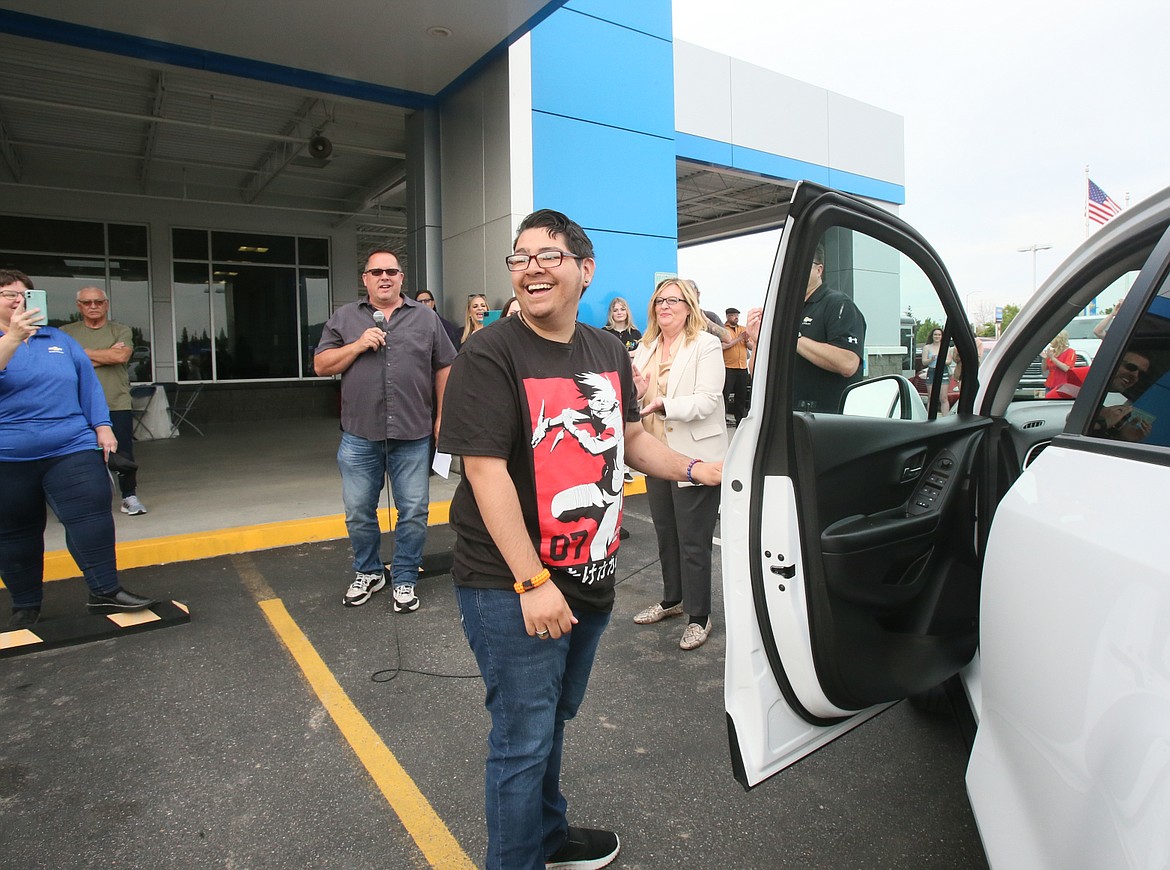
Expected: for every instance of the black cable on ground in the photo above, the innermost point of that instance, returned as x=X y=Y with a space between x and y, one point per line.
x=386 y=675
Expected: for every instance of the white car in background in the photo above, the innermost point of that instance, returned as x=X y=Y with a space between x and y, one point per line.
x=1007 y=551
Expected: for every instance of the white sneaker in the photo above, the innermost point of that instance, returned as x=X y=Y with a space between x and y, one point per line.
x=362 y=587
x=405 y=601
x=131 y=505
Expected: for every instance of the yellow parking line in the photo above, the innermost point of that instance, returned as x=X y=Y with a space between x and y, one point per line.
x=419 y=818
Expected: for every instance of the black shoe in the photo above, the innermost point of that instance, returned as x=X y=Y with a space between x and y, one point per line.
x=24 y=617
x=585 y=849
x=118 y=602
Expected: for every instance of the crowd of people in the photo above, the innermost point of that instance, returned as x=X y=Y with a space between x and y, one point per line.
x=538 y=507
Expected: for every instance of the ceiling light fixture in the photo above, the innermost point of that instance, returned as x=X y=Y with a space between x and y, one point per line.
x=439 y=31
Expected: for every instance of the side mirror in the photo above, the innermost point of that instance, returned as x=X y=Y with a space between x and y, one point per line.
x=889 y=396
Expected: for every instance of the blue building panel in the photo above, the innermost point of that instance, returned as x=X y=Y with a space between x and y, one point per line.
x=721 y=154
x=625 y=267
x=655 y=19
x=604 y=177
x=587 y=68
x=863 y=185
x=702 y=150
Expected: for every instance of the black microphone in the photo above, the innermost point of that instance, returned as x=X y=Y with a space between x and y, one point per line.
x=380 y=320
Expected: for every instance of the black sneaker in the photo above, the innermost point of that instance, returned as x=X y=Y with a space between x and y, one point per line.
x=122 y=601
x=585 y=849
x=24 y=617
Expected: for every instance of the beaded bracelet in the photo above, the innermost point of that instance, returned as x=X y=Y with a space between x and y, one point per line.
x=522 y=586
x=690 y=479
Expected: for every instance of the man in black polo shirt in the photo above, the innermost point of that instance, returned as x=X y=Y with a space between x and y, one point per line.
x=829 y=344
x=393 y=356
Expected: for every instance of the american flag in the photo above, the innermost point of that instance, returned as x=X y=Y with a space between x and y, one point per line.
x=1101 y=205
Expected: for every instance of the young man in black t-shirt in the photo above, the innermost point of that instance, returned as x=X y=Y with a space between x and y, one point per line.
x=536 y=518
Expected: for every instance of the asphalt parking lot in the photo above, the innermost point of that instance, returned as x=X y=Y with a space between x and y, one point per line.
x=249 y=737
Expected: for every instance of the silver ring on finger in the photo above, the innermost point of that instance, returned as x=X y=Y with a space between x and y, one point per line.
x=542 y=634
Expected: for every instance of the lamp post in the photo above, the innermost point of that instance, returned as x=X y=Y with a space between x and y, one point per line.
x=1034 y=249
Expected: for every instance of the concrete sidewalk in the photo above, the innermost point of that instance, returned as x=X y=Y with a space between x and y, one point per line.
x=240 y=487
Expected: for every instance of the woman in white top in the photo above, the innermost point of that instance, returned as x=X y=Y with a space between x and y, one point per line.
x=678 y=370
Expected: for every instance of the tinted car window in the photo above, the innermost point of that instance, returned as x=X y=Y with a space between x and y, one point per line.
x=1136 y=405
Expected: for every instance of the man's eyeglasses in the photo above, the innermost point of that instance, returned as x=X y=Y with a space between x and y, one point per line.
x=377 y=273
x=544 y=259
x=11 y=294
x=97 y=302
x=1133 y=367
x=668 y=301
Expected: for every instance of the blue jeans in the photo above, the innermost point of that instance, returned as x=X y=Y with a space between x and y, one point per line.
x=364 y=466
x=77 y=487
x=533 y=687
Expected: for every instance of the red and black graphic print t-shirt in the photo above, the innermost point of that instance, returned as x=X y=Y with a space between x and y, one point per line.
x=557 y=413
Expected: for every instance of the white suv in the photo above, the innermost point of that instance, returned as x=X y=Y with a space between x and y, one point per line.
x=1006 y=551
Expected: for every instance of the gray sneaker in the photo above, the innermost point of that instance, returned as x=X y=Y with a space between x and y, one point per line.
x=362 y=587
x=131 y=505
x=405 y=601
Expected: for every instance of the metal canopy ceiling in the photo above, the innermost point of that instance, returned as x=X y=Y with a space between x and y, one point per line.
x=124 y=122
x=721 y=204
x=218 y=102
x=77 y=120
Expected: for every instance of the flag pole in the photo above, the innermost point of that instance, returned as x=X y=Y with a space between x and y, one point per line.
x=1086 y=189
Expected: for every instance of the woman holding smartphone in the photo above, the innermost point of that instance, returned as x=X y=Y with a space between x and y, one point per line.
x=55 y=440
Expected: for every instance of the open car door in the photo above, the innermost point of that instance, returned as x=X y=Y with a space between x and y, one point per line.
x=850 y=554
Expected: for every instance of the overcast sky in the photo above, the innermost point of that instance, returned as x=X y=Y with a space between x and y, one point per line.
x=1004 y=106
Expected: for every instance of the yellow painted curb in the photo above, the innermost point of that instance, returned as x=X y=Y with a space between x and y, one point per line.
x=59 y=565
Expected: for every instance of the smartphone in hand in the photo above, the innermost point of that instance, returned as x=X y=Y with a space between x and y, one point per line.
x=37 y=299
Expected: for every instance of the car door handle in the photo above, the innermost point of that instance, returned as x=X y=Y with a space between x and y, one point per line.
x=913 y=467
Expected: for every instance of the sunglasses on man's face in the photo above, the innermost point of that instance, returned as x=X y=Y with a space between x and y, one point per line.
x=377 y=273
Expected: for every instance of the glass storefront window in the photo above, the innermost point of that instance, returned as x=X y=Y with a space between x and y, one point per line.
x=253 y=248
x=313 y=252
x=190 y=295
x=63 y=256
x=315 y=310
x=51 y=236
x=259 y=315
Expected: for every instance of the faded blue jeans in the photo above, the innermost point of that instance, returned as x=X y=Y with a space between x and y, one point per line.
x=364 y=466
x=533 y=687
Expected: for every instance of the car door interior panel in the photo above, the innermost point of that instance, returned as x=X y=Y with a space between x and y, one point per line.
x=891 y=545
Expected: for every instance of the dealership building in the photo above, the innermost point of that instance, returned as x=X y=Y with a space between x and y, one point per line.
x=221 y=169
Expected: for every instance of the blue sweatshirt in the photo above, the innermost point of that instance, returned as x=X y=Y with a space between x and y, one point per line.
x=50 y=399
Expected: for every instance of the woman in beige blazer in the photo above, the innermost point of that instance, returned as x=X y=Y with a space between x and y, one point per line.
x=679 y=373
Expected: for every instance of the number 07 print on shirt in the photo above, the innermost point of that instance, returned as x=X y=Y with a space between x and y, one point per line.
x=578 y=442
